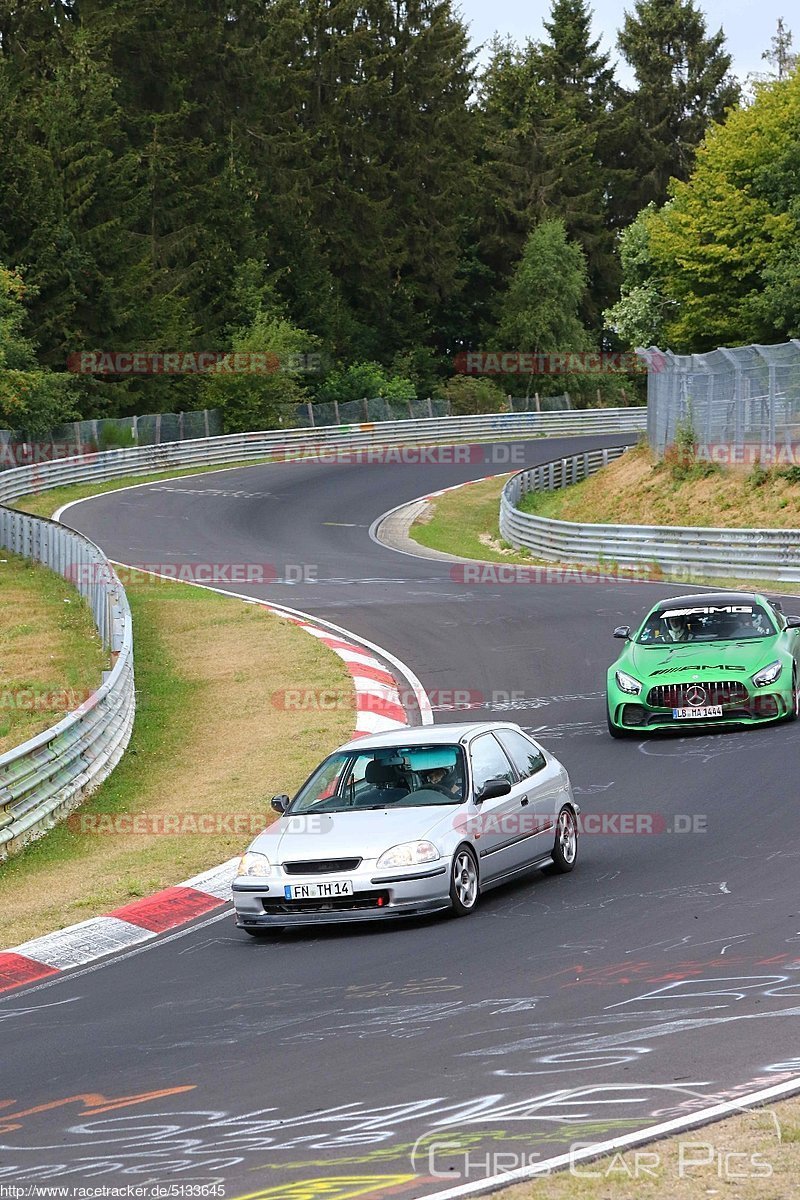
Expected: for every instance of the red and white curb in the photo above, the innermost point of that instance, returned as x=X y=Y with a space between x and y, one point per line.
x=120 y=929
x=378 y=704
x=378 y=708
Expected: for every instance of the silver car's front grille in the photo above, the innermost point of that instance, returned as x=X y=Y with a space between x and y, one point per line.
x=322 y=866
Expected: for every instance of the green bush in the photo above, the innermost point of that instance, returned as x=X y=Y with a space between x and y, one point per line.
x=467 y=396
x=366 y=381
x=758 y=476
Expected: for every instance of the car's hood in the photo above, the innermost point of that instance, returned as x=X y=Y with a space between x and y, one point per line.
x=352 y=834
x=734 y=660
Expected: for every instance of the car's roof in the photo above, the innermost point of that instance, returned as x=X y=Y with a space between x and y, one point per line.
x=427 y=735
x=704 y=599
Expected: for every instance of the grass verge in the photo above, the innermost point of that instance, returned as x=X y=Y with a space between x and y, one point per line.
x=51 y=656
x=752 y=1156
x=464 y=522
x=639 y=489
x=210 y=739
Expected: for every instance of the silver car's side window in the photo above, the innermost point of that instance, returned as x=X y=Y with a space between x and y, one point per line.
x=527 y=758
x=489 y=761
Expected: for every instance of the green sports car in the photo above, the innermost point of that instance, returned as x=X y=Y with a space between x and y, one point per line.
x=713 y=659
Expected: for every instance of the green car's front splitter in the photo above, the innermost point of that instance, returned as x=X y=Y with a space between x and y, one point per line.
x=628 y=716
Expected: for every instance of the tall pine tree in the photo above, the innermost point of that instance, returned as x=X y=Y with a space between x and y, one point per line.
x=683 y=83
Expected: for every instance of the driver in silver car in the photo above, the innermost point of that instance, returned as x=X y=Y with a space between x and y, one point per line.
x=450 y=783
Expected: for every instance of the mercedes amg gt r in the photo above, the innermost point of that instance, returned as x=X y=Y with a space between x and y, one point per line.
x=718 y=658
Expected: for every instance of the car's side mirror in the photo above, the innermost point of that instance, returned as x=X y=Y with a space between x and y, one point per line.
x=493 y=788
x=624 y=632
x=793 y=622
x=280 y=803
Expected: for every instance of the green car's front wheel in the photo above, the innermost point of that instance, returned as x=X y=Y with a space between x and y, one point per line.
x=794 y=712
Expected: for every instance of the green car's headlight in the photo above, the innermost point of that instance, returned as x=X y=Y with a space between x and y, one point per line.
x=626 y=683
x=768 y=674
x=253 y=863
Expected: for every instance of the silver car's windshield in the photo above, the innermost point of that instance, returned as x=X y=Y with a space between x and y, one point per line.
x=710 y=623
x=391 y=777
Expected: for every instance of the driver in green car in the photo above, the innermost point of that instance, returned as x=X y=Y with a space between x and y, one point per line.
x=678 y=629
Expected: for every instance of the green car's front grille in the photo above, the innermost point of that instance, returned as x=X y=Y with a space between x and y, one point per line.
x=683 y=695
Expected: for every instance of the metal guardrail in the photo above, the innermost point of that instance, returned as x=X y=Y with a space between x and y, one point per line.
x=42 y=780
x=674 y=551
x=238 y=447
x=47 y=776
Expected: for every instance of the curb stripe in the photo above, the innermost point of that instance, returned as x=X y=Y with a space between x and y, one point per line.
x=164 y=910
x=16 y=969
x=376 y=674
x=372 y=703
x=369 y=722
x=79 y=944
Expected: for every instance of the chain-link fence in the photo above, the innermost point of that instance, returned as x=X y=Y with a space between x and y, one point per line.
x=380 y=408
x=739 y=403
x=107 y=433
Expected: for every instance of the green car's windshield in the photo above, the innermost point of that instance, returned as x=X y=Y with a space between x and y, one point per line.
x=391 y=777
x=710 y=623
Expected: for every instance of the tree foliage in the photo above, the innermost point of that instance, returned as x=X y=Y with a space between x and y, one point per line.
x=683 y=84
x=725 y=247
x=32 y=400
x=186 y=175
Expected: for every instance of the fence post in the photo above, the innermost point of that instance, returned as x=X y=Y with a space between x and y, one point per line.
x=772 y=433
x=430 y=408
x=366 y=409
x=337 y=420
x=709 y=407
x=205 y=422
x=157 y=436
x=180 y=426
x=310 y=408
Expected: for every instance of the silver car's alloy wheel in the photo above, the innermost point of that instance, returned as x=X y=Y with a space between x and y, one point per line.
x=565 y=848
x=464 y=883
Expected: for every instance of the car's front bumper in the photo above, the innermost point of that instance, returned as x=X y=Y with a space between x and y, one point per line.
x=633 y=714
x=377 y=896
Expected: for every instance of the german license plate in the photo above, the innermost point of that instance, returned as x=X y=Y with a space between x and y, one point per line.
x=318 y=891
x=710 y=710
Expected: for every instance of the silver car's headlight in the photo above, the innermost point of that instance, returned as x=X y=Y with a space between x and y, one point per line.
x=409 y=854
x=626 y=683
x=253 y=863
x=768 y=674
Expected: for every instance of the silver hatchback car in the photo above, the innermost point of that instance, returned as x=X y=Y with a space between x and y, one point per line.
x=409 y=822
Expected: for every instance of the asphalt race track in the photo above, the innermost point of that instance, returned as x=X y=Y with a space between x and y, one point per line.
x=659 y=977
